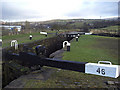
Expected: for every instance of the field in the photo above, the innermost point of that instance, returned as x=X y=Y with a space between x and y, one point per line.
x=88 y=49
x=110 y=29
x=22 y=38
x=93 y=49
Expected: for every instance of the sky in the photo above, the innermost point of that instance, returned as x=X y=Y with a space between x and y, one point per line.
x=42 y=10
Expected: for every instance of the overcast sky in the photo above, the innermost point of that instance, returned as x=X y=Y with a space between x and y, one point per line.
x=40 y=10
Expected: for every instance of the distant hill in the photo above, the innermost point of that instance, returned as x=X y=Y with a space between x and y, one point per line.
x=113 y=18
x=58 y=24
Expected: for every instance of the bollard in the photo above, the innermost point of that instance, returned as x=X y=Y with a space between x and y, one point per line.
x=68 y=46
x=76 y=39
x=30 y=37
x=40 y=49
x=25 y=48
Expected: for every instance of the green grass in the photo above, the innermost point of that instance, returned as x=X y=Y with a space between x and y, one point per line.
x=93 y=49
x=77 y=24
x=112 y=28
x=22 y=38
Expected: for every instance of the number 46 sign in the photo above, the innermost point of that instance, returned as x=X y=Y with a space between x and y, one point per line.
x=108 y=70
x=102 y=71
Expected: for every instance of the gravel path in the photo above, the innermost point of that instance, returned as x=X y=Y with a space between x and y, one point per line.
x=57 y=54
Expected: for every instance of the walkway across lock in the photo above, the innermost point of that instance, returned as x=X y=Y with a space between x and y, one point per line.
x=107 y=70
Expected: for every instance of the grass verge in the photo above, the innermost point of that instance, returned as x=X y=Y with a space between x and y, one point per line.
x=93 y=49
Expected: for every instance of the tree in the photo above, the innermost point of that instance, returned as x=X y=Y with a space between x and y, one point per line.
x=27 y=25
x=85 y=27
x=56 y=27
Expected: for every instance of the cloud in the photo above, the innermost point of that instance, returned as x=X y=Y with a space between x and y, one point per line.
x=103 y=9
x=16 y=11
x=57 y=9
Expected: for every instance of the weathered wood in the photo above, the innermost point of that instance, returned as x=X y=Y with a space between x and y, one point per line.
x=32 y=59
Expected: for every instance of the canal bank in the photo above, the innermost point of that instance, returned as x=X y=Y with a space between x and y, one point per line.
x=12 y=69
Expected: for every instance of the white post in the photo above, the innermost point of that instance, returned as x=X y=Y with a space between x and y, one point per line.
x=14 y=43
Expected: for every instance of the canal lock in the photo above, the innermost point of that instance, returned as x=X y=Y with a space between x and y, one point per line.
x=12 y=69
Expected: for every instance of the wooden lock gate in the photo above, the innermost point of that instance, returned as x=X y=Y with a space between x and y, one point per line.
x=108 y=70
